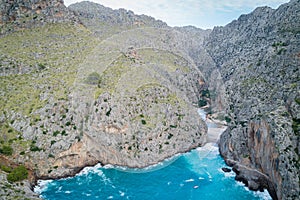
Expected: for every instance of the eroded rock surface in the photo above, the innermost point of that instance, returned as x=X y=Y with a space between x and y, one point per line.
x=127 y=96
x=258 y=58
x=123 y=89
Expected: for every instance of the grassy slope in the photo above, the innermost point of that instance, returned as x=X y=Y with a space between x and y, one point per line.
x=57 y=48
x=60 y=58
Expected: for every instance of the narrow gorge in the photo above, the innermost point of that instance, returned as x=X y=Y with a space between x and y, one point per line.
x=87 y=84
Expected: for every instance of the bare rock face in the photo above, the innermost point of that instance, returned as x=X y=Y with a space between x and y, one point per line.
x=254 y=180
x=127 y=98
x=258 y=59
x=18 y=14
x=123 y=89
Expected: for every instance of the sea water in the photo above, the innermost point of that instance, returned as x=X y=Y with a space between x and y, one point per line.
x=196 y=175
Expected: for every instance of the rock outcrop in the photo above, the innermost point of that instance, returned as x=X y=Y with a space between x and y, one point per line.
x=20 y=14
x=101 y=19
x=127 y=97
x=123 y=89
x=258 y=59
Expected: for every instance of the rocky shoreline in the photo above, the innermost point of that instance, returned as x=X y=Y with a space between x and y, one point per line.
x=108 y=86
x=215 y=129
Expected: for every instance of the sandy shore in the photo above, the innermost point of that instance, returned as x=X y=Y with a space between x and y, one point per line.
x=215 y=129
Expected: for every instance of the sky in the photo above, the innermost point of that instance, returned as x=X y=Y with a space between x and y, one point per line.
x=200 y=13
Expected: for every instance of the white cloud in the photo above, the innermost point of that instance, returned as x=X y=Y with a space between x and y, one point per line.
x=202 y=13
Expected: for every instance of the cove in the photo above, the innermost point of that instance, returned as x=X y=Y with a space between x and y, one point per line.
x=194 y=175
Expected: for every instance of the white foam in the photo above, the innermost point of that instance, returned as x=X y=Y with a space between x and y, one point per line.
x=189 y=180
x=262 y=195
x=59 y=189
x=122 y=194
x=109 y=166
x=229 y=174
x=209 y=147
x=208 y=175
x=150 y=168
x=68 y=192
x=87 y=170
x=96 y=170
x=41 y=186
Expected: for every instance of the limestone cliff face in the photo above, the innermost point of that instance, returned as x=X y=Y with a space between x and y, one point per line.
x=19 y=14
x=212 y=99
x=258 y=59
x=101 y=19
x=123 y=89
x=117 y=89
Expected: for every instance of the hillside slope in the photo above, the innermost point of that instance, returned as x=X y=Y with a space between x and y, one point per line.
x=72 y=97
x=258 y=59
x=109 y=86
x=19 y=15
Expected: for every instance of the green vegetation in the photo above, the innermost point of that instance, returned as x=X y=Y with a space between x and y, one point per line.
x=6 y=150
x=297 y=100
x=279 y=44
x=281 y=51
x=279 y=47
x=202 y=102
x=51 y=54
x=55 y=133
x=205 y=93
x=34 y=148
x=17 y=174
x=5 y=168
x=108 y=112
x=296 y=126
x=166 y=97
x=51 y=156
x=93 y=78
x=11 y=141
x=227 y=119
x=170 y=61
x=249 y=82
x=110 y=77
x=53 y=49
x=170 y=136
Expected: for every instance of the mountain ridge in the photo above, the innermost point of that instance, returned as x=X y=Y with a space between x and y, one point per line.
x=257 y=58
x=81 y=68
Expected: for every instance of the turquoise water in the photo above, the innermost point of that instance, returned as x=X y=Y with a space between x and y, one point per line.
x=194 y=176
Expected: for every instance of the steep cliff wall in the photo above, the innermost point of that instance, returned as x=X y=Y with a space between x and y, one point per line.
x=19 y=14
x=122 y=89
x=212 y=98
x=75 y=97
x=258 y=58
x=101 y=19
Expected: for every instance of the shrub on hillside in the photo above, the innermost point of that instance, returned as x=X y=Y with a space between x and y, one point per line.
x=93 y=78
x=17 y=174
x=6 y=150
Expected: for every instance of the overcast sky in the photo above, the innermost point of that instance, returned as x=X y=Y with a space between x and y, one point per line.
x=200 y=13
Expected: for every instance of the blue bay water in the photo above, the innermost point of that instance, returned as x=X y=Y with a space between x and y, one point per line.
x=196 y=175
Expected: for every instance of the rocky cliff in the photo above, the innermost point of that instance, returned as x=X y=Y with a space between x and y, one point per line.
x=123 y=89
x=19 y=14
x=75 y=96
x=258 y=59
x=104 y=21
